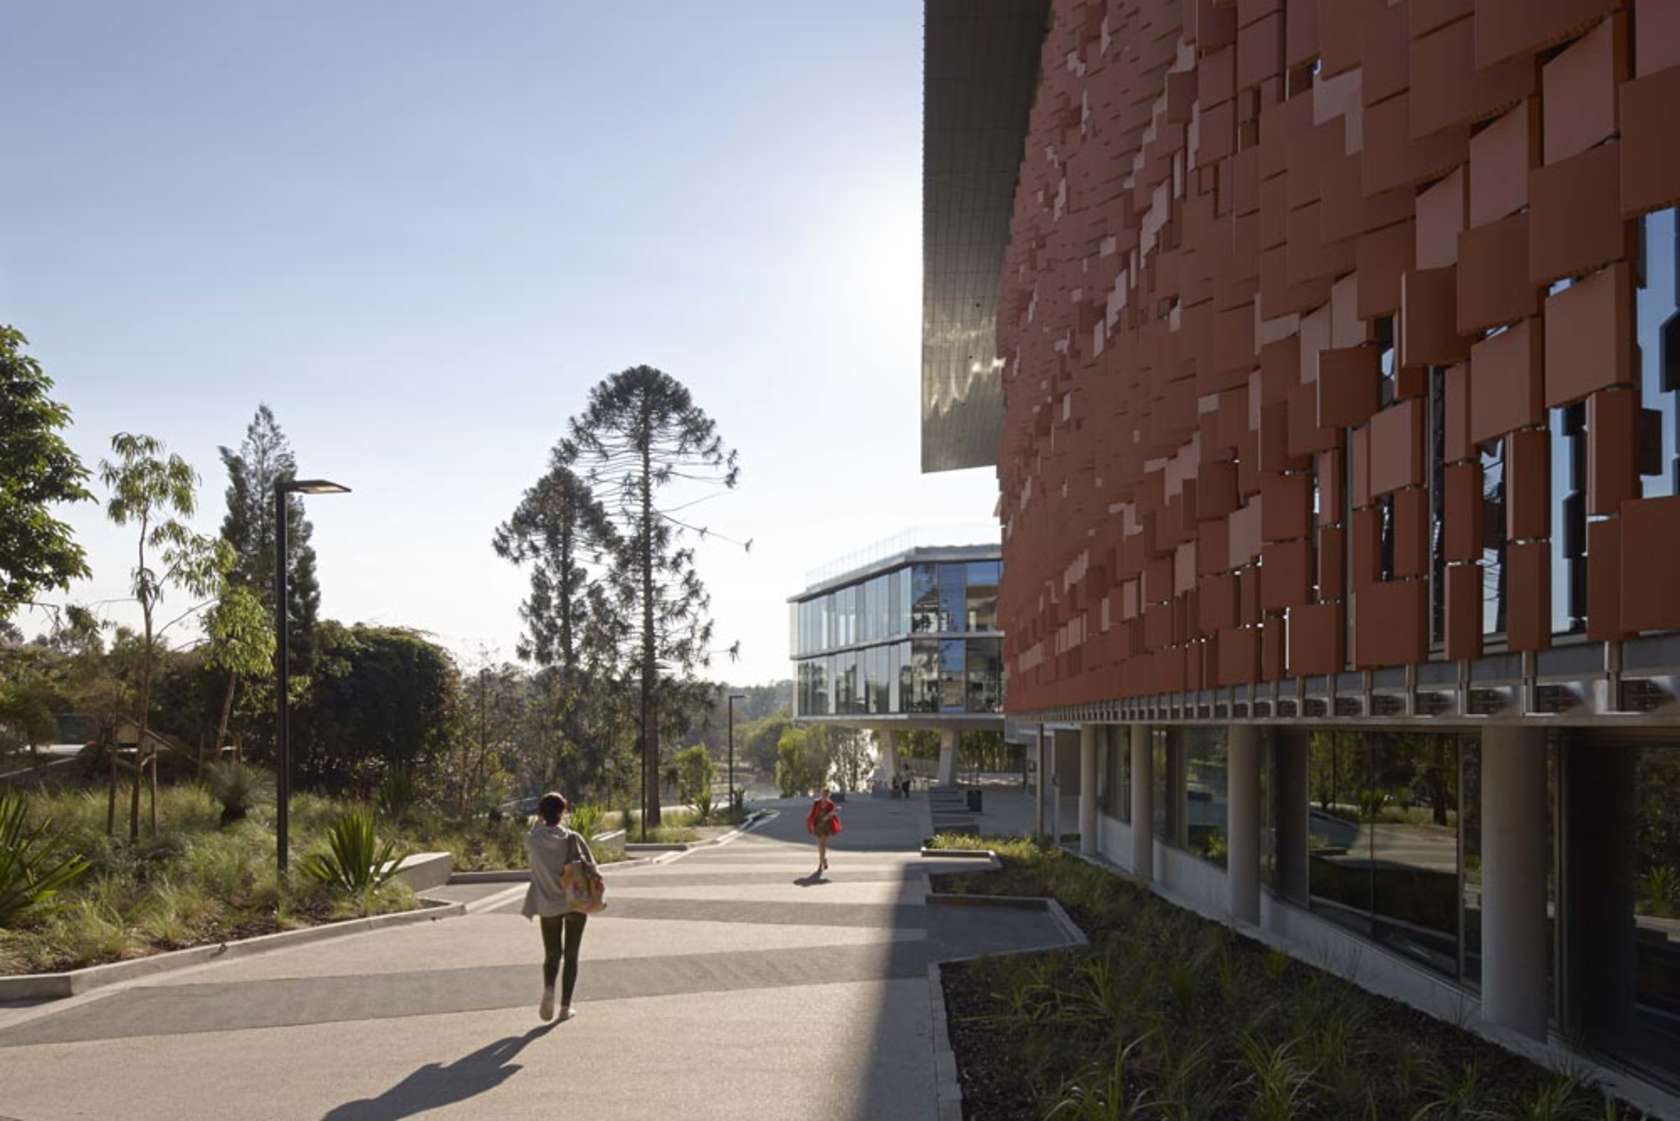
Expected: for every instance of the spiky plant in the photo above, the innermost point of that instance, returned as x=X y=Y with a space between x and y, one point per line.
x=34 y=867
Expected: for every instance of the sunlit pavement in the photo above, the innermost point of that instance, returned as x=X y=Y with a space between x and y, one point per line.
x=722 y=984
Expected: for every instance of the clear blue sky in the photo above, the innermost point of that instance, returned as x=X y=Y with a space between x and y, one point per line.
x=421 y=230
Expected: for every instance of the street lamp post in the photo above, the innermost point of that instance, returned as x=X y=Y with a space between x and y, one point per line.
x=733 y=697
x=282 y=671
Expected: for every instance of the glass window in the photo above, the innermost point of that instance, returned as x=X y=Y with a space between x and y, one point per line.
x=985 y=675
x=1206 y=793
x=1118 y=789
x=1622 y=820
x=1493 y=538
x=981 y=597
x=901 y=606
x=952 y=682
x=1386 y=862
x=924 y=603
x=924 y=676
x=953 y=596
x=1569 y=519
x=1657 y=310
x=1437 y=504
x=1168 y=779
x=819 y=687
x=895 y=690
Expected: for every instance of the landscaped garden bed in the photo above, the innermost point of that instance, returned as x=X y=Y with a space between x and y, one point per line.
x=1169 y=1016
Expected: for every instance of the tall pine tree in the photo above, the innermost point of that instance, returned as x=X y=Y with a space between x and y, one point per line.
x=264 y=458
x=641 y=434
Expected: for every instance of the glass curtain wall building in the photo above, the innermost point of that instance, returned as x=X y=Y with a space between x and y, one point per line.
x=915 y=636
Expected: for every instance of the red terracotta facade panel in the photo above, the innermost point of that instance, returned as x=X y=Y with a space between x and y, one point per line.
x=1604 y=580
x=1411 y=532
x=1508 y=27
x=1650 y=158
x=1493 y=284
x=1612 y=450
x=1316 y=637
x=1285 y=575
x=1575 y=215
x=1650 y=542
x=1443 y=78
x=1397 y=447
x=1332 y=563
x=1349 y=386
x=1455 y=442
x=1463 y=611
x=1382 y=258
x=1501 y=156
x=1506 y=383
x=1441 y=213
x=1579 y=90
x=1589 y=336
x=1528 y=595
x=1658 y=46
x=1462 y=512
x=1391 y=624
x=1428 y=326
x=1286 y=505
x=1528 y=483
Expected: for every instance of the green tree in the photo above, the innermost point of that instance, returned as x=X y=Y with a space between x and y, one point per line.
x=848 y=748
x=802 y=760
x=575 y=629
x=240 y=645
x=381 y=699
x=37 y=470
x=641 y=433
x=265 y=458
x=153 y=489
x=757 y=741
x=695 y=773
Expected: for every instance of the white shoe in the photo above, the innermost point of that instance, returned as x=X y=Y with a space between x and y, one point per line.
x=546 y=1008
x=567 y=1013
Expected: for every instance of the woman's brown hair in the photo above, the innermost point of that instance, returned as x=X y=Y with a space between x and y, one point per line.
x=551 y=807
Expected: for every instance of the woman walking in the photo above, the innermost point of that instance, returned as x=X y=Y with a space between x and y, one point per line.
x=551 y=847
x=822 y=822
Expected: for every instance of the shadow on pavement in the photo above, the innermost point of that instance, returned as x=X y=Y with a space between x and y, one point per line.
x=435 y=1085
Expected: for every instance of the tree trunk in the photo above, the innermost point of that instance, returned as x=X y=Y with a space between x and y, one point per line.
x=650 y=727
x=154 y=766
x=111 y=799
x=227 y=715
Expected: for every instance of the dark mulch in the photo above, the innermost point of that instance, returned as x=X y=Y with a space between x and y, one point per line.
x=1012 y=1071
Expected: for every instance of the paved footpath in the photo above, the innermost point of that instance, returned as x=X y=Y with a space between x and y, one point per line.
x=723 y=984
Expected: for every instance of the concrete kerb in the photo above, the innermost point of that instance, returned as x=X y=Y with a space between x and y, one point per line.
x=55 y=986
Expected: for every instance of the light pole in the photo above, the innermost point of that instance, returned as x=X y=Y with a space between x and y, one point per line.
x=282 y=674
x=733 y=697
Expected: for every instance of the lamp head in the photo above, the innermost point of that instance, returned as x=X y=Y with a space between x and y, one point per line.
x=313 y=486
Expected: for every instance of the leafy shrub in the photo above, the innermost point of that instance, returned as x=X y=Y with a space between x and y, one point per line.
x=234 y=785
x=588 y=818
x=397 y=793
x=34 y=866
x=354 y=862
x=694 y=779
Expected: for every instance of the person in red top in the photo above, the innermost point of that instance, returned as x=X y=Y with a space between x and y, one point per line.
x=822 y=822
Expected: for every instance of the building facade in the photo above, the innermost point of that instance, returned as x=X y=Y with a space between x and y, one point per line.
x=908 y=640
x=1340 y=482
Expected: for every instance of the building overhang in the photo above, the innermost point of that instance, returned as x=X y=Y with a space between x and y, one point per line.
x=980 y=70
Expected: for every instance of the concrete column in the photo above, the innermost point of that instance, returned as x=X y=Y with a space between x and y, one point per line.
x=888 y=739
x=948 y=758
x=1041 y=775
x=1143 y=804
x=1514 y=928
x=1242 y=822
x=1088 y=788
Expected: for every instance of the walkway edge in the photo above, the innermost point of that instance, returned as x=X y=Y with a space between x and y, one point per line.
x=947 y=1086
x=54 y=986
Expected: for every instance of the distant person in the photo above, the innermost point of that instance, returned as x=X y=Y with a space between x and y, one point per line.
x=552 y=846
x=822 y=823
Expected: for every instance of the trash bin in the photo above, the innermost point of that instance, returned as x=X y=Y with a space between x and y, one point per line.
x=973 y=793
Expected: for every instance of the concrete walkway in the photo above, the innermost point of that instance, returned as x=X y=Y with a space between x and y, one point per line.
x=722 y=984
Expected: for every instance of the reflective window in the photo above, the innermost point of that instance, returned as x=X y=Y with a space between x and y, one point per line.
x=952 y=682
x=924 y=602
x=1493 y=538
x=1569 y=518
x=985 y=675
x=1384 y=840
x=953 y=596
x=924 y=676
x=1622 y=818
x=1206 y=792
x=1168 y=802
x=981 y=597
x=1657 y=310
x=1117 y=787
